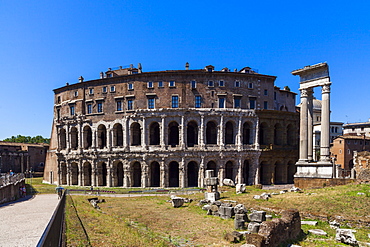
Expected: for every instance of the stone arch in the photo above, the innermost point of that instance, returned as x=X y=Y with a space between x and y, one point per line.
x=192 y=134
x=118 y=174
x=193 y=174
x=102 y=174
x=247 y=133
x=229 y=133
x=63 y=139
x=173 y=134
x=229 y=170
x=292 y=169
x=263 y=134
x=290 y=135
x=211 y=133
x=278 y=134
x=136 y=174
x=102 y=136
x=173 y=174
x=135 y=131
x=211 y=165
x=280 y=173
x=266 y=173
x=87 y=137
x=74 y=173
x=74 y=138
x=63 y=173
x=154 y=134
x=117 y=135
x=155 y=174
x=246 y=172
x=87 y=173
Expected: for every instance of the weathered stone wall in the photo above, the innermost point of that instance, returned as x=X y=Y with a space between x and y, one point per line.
x=9 y=191
x=310 y=183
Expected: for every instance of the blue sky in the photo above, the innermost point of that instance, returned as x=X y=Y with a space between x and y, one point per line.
x=44 y=44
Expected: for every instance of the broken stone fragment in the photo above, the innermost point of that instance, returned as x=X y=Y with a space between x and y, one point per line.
x=240 y=209
x=177 y=202
x=309 y=222
x=234 y=237
x=240 y=188
x=239 y=221
x=254 y=227
x=317 y=232
x=346 y=236
x=228 y=182
x=226 y=212
x=257 y=216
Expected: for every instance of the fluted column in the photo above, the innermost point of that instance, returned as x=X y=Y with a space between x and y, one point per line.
x=239 y=134
x=201 y=173
x=303 y=145
x=310 y=124
x=325 y=124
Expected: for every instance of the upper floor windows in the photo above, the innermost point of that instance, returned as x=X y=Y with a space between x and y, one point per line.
x=198 y=101
x=221 y=102
x=237 y=83
x=119 y=105
x=130 y=104
x=150 y=84
x=171 y=84
x=105 y=90
x=221 y=83
x=72 y=110
x=211 y=84
x=250 y=85
x=160 y=84
x=91 y=90
x=193 y=84
x=76 y=93
x=265 y=92
x=252 y=103
x=175 y=101
x=151 y=103
x=237 y=102
x=99 y=107
x=130 y=86
x=58 y=100
x=112 y=89
x=265 y=105
x=89 y=108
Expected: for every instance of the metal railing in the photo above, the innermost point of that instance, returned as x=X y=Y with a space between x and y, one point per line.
x=54 y=233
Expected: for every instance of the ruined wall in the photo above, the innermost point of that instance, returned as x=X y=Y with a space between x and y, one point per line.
x=311 y=183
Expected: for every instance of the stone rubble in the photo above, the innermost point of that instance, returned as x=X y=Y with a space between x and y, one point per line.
x=318 y=232
x=309 y=222
x=228 y=182
x=346 y=236
x=240 y=188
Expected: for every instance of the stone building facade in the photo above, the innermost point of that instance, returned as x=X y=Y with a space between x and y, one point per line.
x=165 y=128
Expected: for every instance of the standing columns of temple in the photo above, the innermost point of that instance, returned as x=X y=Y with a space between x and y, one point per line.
x=325 y=124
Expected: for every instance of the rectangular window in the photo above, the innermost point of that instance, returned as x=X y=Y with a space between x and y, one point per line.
x=237 y=102
x=274 y=95
x=252 y=104
x=100 y=107
x=130 y=104
x=237 y=83
x=72 y=110
x=221 y=83
x=150 y=84
x=104 y=89
x=210 y=84
x=221 y=102
x=112 y=89
x=175 y=101
x=130 y=86
x=76 y=93
x=151 y=103
x=91 y=91
x=193 y=84
x=250 y=85
x=119 y=105
x=198 y=101
x=265 y=92
x=265 y=105
x=160 y=84
x=89 y=108
x=171 y=84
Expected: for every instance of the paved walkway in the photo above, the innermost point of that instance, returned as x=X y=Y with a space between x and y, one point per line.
x=23 y=222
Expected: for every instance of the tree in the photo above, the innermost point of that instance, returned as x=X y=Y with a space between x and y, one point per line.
x=27 y=139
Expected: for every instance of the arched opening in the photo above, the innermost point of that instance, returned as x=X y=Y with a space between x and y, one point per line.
x=290 y=135
x=74 y=173
x=246 y=172
x=63 y=139
x=155 y=174
x=350 y=164
x=192 y=134
x=87 y=133
x=102 y=174
x=63 y=169
x=117 y=135
x=192 y=174
x=229 y=133
x=266 y=173
x=118 y=174
x=74 y=138
x=154 y=134
x=247 y=133
x=292 y=169
x=173 y=171
x=102 y=136
x=211 y=133
x=278 y=134
x=87 y=171
x=135 y=134
x=173 y=134
x=263 y=134
x=212 y=166
x=229 y=170
x=136 y=169
x=280 y=173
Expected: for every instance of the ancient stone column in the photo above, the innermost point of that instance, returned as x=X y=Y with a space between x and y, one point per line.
x=201 y=132
x=163 y=171
x=256 y=141
x=239 y=176
x=143 y=134
x=182 y=174
x=325 y=124
x=182 y=133
x=239 y=134
x=201 y=173
x=303 y=143
x=126 y=133
x=310 y=124
x=80 y=173
x=220 y=136
x=162 y=137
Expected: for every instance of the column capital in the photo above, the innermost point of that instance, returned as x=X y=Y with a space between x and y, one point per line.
x=325 y=88
x=305 y=92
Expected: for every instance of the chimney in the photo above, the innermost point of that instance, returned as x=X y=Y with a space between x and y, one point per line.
x=187 y=66
x=101 y=75
x=81 y=79
x=140 y=68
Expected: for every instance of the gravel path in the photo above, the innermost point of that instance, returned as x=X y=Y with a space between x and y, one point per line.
x=23 y=222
